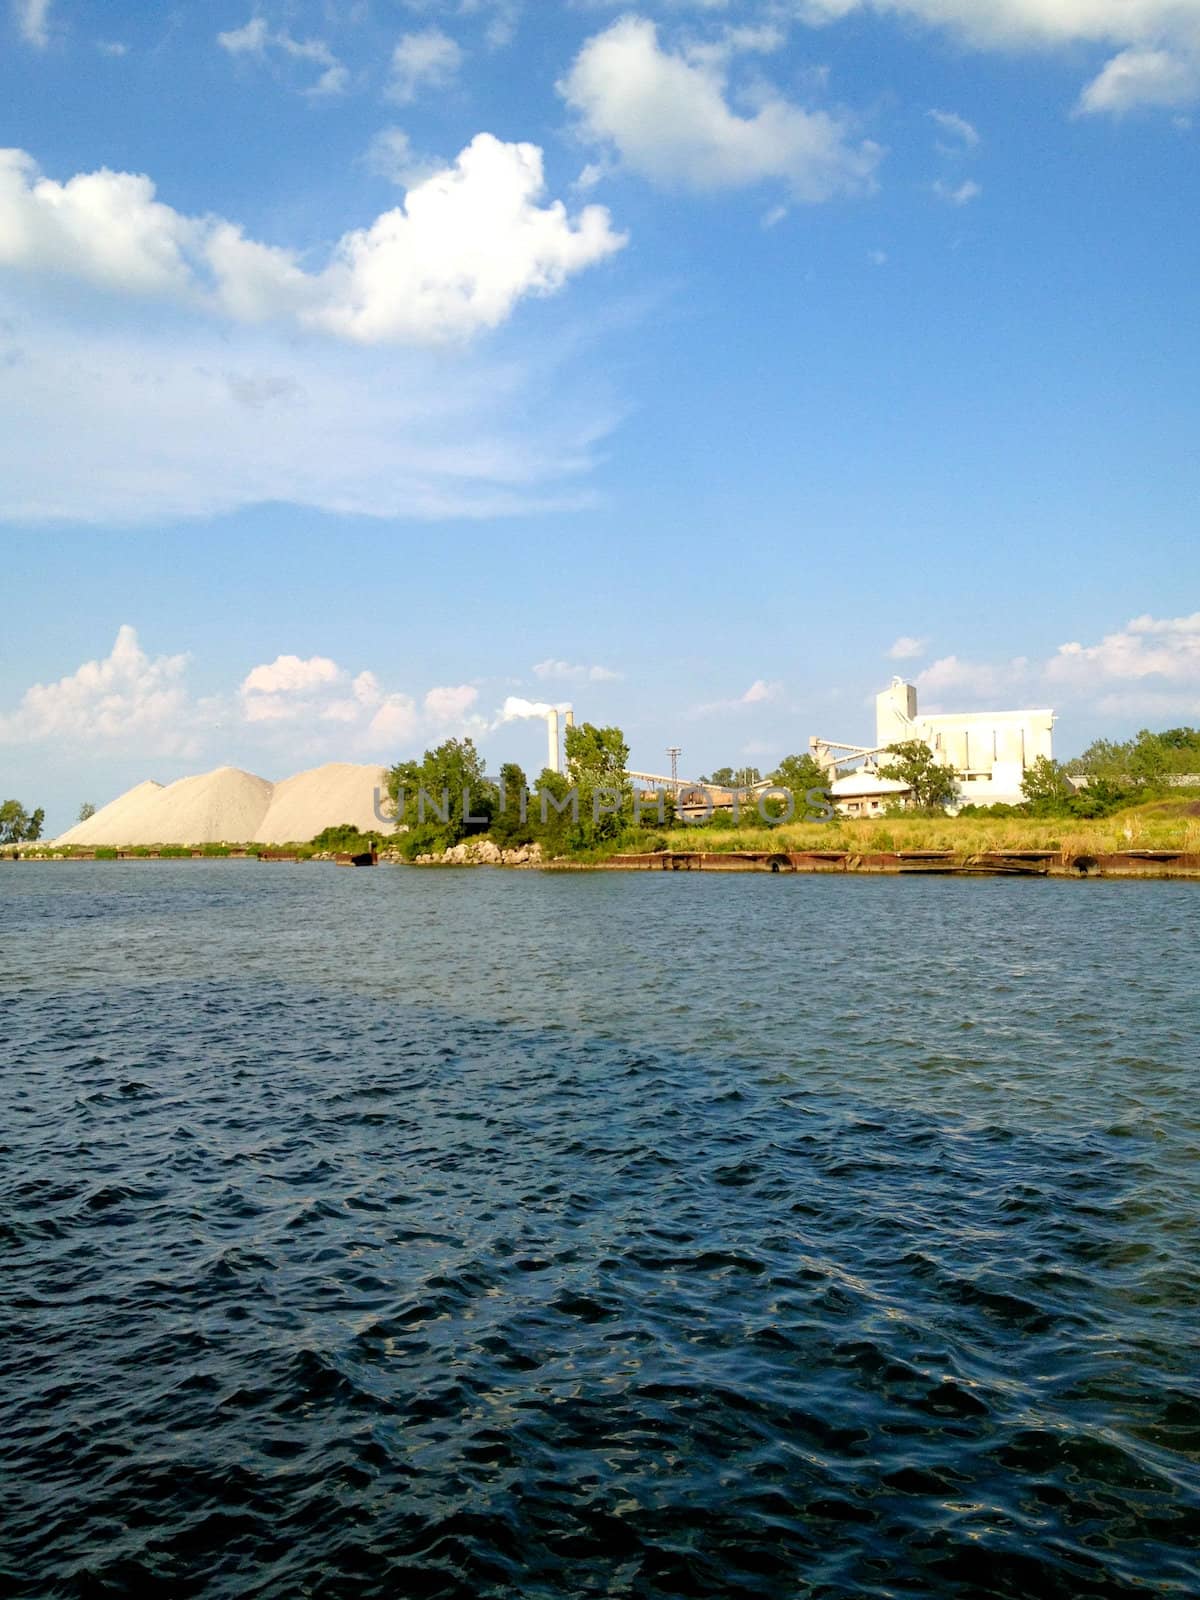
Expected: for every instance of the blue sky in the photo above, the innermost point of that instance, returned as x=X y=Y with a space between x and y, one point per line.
x=367 y=365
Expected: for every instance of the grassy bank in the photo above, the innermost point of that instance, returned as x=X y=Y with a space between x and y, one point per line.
x=1157 y=825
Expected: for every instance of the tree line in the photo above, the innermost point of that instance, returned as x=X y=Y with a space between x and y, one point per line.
x=18 y=826
x=447 y=796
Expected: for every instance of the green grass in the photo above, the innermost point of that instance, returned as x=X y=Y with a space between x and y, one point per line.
x=1154 y=825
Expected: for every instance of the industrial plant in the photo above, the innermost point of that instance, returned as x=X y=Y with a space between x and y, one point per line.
x=989 y=752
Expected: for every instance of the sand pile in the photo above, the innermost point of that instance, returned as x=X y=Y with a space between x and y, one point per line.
x=233 y=807
x=111 y=824
x=339 y=792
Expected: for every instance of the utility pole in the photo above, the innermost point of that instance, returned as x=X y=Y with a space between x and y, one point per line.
x=674 y=751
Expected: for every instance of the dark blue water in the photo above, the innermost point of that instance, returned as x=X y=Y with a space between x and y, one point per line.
x=408 y=1233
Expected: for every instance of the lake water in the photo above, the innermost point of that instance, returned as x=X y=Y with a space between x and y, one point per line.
x=414 y=1233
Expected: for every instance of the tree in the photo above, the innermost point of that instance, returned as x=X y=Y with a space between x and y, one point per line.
x=1045 y=784
x=1144 y=761
x=932 y=785
x=516 y=816
x=800 y=774
x=14 y=820
x=33 y=828
x=597 y=760
x=343 y=838
x=86 y=810
x=731 y=778
x=441 y=798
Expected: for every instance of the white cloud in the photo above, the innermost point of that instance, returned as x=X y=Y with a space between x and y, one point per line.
x=1153 y=36
x=877 y=258
x=289 y=674
x=759 y=693
x=958 y=194
x=391 y=155
x=127 y=696
x=565 y=672
x=1043 y=22
x=467 y=245
x=1149 y=667
x=964 y=133
x=454 y=258
x=1142 y=78
x=517 y=709
x=292 y=694
x=112 y=47
x=258 y=40
x=450 y=704
x=429 y=59
x=162 y=420
x=1147 y=647
x=669 y=118
x=973 y=680
x=907 y=648
x=251 y=39
x=104 y=227
x=33 y=18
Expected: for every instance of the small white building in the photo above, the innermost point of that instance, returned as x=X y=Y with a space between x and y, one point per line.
x=865 y=794
x=988 y=751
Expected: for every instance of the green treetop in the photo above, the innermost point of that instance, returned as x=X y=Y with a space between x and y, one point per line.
x=932 y=785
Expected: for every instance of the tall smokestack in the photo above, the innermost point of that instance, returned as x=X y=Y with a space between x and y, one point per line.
x=570 y=716
x=555 y=761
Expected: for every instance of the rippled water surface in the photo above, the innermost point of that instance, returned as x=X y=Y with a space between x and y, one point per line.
x=406 y=1233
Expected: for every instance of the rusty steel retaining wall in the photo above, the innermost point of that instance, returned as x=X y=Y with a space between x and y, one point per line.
x=922 y=863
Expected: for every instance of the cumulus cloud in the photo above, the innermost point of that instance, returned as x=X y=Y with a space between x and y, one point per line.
x=669 y=118
x=429 y=59
x=1149 y=667
x=1158 y=40
x=1040 y=22
x=127 y=696
x=906 y=648
x=451 y=703
x=289 y=675
x=1142 y=78
x=33 y=18
x=454 y=258
x=259 y=41
x=972 y=680
x=297 y=693
x=1146 y=648
x=567 y=672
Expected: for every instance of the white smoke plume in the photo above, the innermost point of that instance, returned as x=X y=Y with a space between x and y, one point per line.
x=515 y=709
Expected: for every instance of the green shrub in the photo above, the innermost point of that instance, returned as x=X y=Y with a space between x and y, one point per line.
x=342 y=838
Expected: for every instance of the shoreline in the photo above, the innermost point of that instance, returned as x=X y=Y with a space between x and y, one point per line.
x=1160 y=865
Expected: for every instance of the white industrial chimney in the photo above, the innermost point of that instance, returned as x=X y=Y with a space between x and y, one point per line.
x=555 y=761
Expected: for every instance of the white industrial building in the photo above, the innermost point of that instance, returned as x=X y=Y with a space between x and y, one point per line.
x=988 y=751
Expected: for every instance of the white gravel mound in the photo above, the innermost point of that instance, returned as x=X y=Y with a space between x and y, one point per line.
x=229 y=806
x=323 y=798
x=225 y=806
x=113 y=822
